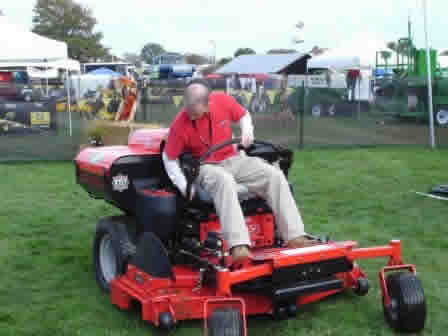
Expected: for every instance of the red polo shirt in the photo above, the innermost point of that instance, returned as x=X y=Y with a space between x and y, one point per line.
x=195 y=136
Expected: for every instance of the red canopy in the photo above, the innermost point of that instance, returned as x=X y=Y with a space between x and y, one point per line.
x=213 y=76
x=259 y=77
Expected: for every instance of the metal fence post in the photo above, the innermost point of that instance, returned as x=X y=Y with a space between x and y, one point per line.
x=302 y=115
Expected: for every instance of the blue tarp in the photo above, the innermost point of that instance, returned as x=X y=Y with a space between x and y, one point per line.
x=104 y=71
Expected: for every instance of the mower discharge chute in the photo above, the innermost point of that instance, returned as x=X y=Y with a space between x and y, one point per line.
x=168 y=255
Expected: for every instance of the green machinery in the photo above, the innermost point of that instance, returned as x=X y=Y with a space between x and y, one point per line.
x=407 y=82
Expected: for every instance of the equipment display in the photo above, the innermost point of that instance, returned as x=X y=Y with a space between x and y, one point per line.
x=408 y=81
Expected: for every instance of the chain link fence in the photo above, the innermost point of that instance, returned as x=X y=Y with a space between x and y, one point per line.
x=301 y=111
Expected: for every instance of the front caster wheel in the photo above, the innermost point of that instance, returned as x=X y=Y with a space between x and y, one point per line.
x=407 y=309
x=362 y=287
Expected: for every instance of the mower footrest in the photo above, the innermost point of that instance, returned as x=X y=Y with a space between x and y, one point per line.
x=282 y=294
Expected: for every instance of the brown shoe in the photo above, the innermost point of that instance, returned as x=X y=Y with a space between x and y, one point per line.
x=301 y=241
x=239 y=253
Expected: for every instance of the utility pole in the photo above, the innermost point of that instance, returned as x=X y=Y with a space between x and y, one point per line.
x=213 y=43
x=429 y=79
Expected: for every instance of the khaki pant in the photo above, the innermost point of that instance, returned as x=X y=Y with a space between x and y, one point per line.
x=260 y=178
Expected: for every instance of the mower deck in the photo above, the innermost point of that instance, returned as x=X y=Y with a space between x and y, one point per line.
x=293 y=277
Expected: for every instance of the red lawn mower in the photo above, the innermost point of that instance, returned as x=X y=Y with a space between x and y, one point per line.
x=166 y=254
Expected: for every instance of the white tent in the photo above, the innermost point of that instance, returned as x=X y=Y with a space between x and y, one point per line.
x=443 y=61
x=358 y=52
x=66 y=64
x=20 y=45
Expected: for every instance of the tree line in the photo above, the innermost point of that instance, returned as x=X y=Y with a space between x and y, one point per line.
x=75 y=24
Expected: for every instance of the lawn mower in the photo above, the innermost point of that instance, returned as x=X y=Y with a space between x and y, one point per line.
x=166 y=255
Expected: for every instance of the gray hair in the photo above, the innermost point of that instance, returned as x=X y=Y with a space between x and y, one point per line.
x=196 y=94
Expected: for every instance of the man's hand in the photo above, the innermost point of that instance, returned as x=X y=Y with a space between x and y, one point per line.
x=247 y=130
x=247 y=139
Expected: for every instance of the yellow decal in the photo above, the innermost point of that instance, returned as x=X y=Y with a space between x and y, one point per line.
x=248 y=95
x=177 y=100
x=40 y=118
x=271 y=94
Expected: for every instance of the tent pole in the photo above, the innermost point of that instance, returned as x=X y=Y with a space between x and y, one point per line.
x=46 y=76
x=69 y=103
x=359 y=96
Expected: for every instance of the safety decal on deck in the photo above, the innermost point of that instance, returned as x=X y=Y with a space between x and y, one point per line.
x=120 y=183
x=304 y=250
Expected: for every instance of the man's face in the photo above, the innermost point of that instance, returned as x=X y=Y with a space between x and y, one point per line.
x=197 y=110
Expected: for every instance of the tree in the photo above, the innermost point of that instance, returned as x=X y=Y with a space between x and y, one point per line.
x=281 y=51
x=224 y=60
x=210 y=69
x=401 y=47
x=68 y=21
x=385 y=55
x=316 y=51
x=132 y=58
x=150 y=51
x=244 y=51
x=195 y=59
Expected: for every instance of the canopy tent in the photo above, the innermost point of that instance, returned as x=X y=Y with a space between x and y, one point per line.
x=105 y=71
x=266 y=64
x=213 y=76
x=443 y=61
x=66 y=64
x=358 y=52
x=20 y=46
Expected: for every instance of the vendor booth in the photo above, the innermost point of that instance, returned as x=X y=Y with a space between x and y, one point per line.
x=356 y=58
x=39 y=58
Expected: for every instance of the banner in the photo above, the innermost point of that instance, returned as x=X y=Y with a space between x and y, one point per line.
x=178 y=100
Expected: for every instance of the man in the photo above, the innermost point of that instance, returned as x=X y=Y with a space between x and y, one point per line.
x=206 y=121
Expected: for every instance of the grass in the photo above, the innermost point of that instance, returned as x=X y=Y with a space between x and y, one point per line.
x=47 y=222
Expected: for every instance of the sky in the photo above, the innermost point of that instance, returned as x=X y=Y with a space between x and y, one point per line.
x=199 y=25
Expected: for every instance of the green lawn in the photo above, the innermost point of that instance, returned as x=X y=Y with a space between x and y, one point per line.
x=47 y=286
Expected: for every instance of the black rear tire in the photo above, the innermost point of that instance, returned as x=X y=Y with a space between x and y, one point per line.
x=112 y=249
x=225 y=322
x=407 y=312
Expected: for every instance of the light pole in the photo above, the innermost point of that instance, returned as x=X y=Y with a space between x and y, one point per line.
x=298 y=39
x=46 y=76
x=213 y=43
x=428 y=66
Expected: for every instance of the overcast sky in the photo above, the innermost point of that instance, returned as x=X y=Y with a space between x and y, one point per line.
x=189 y=26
